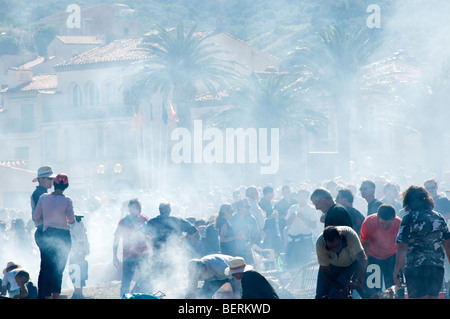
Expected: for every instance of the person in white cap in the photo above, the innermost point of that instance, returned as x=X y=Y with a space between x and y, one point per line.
x=253 y=284
x=211 y=270
x=45 y=179
x=14 y=281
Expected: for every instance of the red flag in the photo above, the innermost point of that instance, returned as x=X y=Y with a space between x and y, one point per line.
x=137 y=121
x=172 y=117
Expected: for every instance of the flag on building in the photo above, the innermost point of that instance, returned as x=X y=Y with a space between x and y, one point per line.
x=172 y=117
x=137 y=121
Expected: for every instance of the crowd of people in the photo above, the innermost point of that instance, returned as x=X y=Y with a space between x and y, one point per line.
x=365 y=237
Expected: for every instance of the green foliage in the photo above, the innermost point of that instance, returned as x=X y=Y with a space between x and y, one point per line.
x=9 y=45
x=335 y=59
x=269 y=101
x=179 y=61
x=42 y=38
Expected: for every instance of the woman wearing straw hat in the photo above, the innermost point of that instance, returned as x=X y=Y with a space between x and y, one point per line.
x=253 y=284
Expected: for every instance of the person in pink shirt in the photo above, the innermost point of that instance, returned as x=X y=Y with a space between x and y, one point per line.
x=378 y=234
x=55 y=211
x=135 y=253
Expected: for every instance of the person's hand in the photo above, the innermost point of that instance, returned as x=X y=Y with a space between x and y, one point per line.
x=398 y=277
x=356 y=283
x=116 y=262
x=346 y=292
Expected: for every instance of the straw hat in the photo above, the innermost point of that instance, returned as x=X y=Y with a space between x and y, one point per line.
x=44 y=171
x=237 y=265
x=10 y=265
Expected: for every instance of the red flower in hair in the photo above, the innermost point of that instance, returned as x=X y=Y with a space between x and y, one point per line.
x=61 y=178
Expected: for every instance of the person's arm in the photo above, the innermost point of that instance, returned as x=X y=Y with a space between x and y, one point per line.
x=366 y=245
x=37 y=213
x=290 y=216
x=402 y=248
x=23 y=292
x=70 y=214
x=116 y=246
x=446 y=245
x=223 y=235
x=360 y=272
x=4 y=288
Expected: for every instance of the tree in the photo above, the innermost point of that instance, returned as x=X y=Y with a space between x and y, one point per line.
x=269 y=101
x=179 y=62
x=9 y=45
x=42 y=38
x=274 y=100
x=334 y=63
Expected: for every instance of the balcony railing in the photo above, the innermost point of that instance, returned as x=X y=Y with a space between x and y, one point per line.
x=70 y=113
x=53 y=114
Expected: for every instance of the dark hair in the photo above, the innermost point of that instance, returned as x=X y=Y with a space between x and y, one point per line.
x=331 y=233
x=60 y=185
x=249 y=190
x=369 y=182
x=431 y=180
x=268 y=190
x=242 y=203
x=347 y=194
x=386 y=212
x=164 y=208
x=23 y=273
x=416 y=197
x=134 y=201
x=224 y=207
x=321 y=193
x=390 y=185
x=220 y=218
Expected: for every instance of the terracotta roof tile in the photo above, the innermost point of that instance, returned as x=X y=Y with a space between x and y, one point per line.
x=45 y=83
x=116 y=51
x=79 y=39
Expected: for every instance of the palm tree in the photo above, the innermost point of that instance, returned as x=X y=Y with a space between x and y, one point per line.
x=430 y=117
x=269 y=100
x=179 y=62
x=334 y=64
x=274 y=100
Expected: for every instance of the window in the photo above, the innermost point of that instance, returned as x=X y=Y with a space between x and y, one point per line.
x=94 y=99
x=50 y=146
x=88 y=146
x=72 y=141
x=27 y=118
x=22 y=153
x=77 y=96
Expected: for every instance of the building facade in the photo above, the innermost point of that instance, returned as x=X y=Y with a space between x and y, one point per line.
x=81 y=119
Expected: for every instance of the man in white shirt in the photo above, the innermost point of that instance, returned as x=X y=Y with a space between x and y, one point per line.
x=301 y=221
x=211 y=270
x=14 y=282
